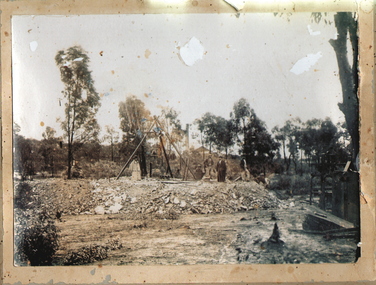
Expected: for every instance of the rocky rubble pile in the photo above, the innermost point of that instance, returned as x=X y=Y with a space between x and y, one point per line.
x=56 y=195
x=165 y=199
x=170 y=198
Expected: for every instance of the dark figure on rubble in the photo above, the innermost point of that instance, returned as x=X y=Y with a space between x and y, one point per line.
x=199 y=171
x=246 y=176
x=221 y=170
x=209 y=167
x=135 y=168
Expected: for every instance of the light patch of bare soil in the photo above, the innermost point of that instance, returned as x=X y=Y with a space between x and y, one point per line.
x=204 y=239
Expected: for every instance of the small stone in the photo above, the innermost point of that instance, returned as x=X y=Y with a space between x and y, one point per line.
x=117 y=199
x=99 y=210
x=115 y=208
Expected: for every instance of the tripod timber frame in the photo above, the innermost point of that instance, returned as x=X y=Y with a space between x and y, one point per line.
x=157 y=123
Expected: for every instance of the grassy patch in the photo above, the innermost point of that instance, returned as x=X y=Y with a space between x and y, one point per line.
x=295 y=184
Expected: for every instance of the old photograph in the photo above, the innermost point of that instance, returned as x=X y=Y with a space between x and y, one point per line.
x=185 y=139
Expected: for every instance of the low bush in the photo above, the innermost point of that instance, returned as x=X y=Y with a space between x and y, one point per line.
x=100 y=169
x=91 y=253
x=280 y=182
x=86 y=254
x=23 y=197
x=36 y=236
x=37 y=240
x=295 y=184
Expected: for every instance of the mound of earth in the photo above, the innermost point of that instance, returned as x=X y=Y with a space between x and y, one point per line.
x=163 y=198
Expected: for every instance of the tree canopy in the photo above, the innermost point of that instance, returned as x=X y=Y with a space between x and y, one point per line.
x=81 y=99
x=134 y=117
x=134 y=120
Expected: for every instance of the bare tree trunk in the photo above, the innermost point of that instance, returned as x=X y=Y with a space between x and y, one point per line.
x=288 y=163
x=295 y=164
x=346 y=24
x=70 y=160
x=112 y=151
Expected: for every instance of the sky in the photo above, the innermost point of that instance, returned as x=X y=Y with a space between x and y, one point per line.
x=195 y=63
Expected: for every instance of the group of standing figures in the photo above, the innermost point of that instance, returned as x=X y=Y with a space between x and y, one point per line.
x=220 y=169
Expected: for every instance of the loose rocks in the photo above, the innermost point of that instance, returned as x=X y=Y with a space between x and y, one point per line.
x=151 y=196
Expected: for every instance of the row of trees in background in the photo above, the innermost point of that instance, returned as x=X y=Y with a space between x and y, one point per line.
x=244 y=135
x=80 y=143
x=244 y=131
x=48 y=156
x=320 y=142
x=294 y=147
x=315 y=141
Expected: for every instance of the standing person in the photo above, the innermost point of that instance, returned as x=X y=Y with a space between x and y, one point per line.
x=246 y=176
x=199 y=172
x=221 y=169
x=208 y=166
x=135 y=168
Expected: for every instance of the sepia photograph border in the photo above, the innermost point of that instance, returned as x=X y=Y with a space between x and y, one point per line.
x=363 y=271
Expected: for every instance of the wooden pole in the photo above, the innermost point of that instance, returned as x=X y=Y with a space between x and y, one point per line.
x=186 y=171
x=130 y=158
x=168 y=136
x=165 y=154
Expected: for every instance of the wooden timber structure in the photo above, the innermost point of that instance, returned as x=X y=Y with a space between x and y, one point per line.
x=158 y=124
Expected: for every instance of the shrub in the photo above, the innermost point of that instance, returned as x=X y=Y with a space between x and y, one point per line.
x=91 y=253
x=301 y=184
x=280 y=182
x=38 y=241
x=100 y=169
x=296 y=184
x=23 y=197
x=86 y=254
x=36 y=237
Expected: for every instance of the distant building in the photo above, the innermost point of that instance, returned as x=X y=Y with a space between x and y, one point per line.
x=203 y=150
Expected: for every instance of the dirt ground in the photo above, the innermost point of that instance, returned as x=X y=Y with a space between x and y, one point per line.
x=174 y=223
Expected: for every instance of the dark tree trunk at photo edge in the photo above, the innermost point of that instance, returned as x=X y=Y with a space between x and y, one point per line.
x=346 y=24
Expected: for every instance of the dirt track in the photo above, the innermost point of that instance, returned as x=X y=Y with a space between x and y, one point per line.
x=184 y=223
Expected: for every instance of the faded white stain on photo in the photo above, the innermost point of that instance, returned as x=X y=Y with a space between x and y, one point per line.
x=192 y=51
x=175 y=139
